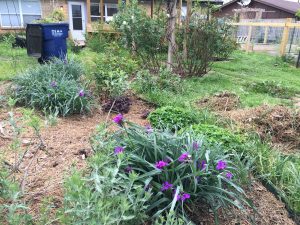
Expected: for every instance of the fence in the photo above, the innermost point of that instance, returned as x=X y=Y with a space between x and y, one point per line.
x=279 y=37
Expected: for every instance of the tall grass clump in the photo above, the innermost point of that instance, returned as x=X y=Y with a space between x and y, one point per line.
x=55 y=87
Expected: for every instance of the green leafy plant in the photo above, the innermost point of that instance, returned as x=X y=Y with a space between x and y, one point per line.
x=173 y=118
x=220 y=136
x=144 y=35
x=55 y=17
x=176 y=169
x=54 y=87
x=272 y=88
x=163 y=80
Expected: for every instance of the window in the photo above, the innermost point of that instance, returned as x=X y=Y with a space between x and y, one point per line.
x=95 y=10
x=18 y=13
x=108 y=9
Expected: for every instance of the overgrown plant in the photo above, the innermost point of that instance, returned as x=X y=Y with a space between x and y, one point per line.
x=143 y=34
x=176 y=169
x=55 y=87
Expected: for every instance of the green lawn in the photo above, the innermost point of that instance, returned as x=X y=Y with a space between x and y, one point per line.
x=235 y=76
x=13 y=61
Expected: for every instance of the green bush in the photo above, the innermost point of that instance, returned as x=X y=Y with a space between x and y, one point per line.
x=174 y=169
x=217 y=135
x=54 y=88
x=173 y=118
x=163 y=80
x=144 y=35
x=275 y=89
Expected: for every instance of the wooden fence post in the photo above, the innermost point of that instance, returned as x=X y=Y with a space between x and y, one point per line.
x=102 y=10
x=249 y=39
x=88 y=10
x=285 y=37
x=266 y=35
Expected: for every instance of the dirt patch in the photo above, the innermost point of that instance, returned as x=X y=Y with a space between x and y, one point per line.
x=279 y=123
x=270 y=210
x=224 y=101
x=67 y=146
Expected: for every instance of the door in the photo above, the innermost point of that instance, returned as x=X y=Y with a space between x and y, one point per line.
x=77 y=18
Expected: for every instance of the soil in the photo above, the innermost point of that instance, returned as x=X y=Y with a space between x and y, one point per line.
x=278 y=123
x=224 y=101
x=67 y=146
x=270 y=210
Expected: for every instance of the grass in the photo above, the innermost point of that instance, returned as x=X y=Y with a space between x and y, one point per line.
x=235 y=76
x=13 y=61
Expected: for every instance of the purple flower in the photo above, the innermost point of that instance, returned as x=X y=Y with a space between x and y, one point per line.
x=160 y=164
x=229 y=175
x=185 y=196
x=221 y=165
x=182 y=196
x=81 y=93
x=49 y=95
x=53 y=84
x=118 y=119
x=119 y=149
x=148 y=129
x=183 y=157
x=195 y=145
x=166 y=186
x=203 y=165
x=128 y=169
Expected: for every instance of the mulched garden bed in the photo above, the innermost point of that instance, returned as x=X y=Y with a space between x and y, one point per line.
x=224 y=101
x=278 y=123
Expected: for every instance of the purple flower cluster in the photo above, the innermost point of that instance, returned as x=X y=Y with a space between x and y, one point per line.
x=81 y=93
x=53 y=84
x=183 y=196
x=221 y=165
x=128 y=169
x=161 y=164
x=119 y=150
x=149 y=129
x=196 y=145
x=183 y=157
x=229 y=175
x=118 y=119
x=166 y=186
x=202 y=165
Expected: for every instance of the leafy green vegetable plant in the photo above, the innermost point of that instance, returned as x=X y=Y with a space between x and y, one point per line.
x=173 y=118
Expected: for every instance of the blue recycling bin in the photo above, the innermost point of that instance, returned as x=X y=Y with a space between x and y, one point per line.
x=46 y=41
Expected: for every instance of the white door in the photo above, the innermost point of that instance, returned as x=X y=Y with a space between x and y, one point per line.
x=77 y=18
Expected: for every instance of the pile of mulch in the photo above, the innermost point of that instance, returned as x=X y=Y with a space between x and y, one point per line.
x=224 y=101
x=269 y=210
x=278 y=123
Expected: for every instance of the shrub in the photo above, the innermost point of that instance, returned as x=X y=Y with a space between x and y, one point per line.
x=217 y=135
x=272 y=88
x=173 y=118
x=163 y=80
x=205 y=41
x=174 y=169
x=54 y=87
x=143 y=34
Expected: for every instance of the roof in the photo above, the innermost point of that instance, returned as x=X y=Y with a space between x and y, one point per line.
x=288 y=6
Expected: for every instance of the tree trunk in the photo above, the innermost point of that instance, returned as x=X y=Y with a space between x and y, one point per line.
x=171 y=32
x=187 y=22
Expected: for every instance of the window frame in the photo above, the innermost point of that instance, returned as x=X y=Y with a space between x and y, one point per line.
x=20 y=16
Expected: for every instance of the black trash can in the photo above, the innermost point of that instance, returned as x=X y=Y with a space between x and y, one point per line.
x=45 y=41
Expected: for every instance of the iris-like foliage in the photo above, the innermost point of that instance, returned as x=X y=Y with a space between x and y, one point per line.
x=176 y=171
x=54 y=88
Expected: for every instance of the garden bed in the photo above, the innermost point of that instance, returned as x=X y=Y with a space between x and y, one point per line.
x=67 y=147
x=224 y=101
